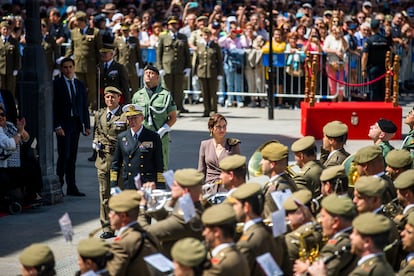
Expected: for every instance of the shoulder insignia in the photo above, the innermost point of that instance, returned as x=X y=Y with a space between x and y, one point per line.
x=117 y=239
x=332 y=241
x=215 y=261
x=233 y=141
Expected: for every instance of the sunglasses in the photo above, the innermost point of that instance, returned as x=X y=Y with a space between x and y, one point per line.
x=2 y=114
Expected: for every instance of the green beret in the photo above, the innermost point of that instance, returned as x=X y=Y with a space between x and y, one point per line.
x=332 y=172
x=302 y=196
x=275 y=151
x=398 y=158
x=80 y=15
x=404 y=180
x=112 y=89
x=303 y=144
x=247 y=190
x=36 y=254
x=371 y=224
x=189 y=252
x=220 y=214
x=232 y=162
x=339 y=205
x=91 y=248
x=366 y=154
x=125 y=201
x=370 y=186
x=188 y=177
x=410 y=219
x=335 y=129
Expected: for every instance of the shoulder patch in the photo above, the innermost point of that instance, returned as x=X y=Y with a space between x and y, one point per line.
x=332 y=241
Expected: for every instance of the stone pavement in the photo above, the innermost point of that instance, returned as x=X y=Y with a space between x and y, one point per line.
x=250 y=125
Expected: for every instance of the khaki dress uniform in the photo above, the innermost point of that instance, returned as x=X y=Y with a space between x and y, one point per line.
x=85 y=50
x=156 y=110
x=9 y=62
x=228 y=262
x=105 y=135
x=337 y=158
x=128 y=53
x=376 y=265
x=407 y=268
x=308 y=177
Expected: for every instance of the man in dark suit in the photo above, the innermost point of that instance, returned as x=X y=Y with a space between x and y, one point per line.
x=138 y=152
x=71 y=117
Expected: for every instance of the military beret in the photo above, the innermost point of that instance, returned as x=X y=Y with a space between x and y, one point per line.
x=80 y=15
x=332 y=172
x=91 y=248
x=112 y=89
x=370 y=186
x=302 y=196
x=387 y=126
x=152 y=68
x=4 y=24
x=335 y=129
x=232 y=162
x=220 y=214
x=132 y=109
x=247 y=190
x=366 y=154
x=274 y=151
x=371 y=224
x=328 y=12
x=202 y=17
x=398 y=158
x=189 y=252
x=339 y=205
x=36 y=254
x=303 y=144
x=410 y=219
x=404 y=180
x=188 y=177
x=125 y=201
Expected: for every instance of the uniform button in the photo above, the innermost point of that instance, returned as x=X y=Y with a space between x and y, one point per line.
x=141 y=166
x=130 y=156
x=129 y=173
x=129 y=165
x=142 y=156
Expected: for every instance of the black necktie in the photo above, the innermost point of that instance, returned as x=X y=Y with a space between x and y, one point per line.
x=73 y=98
x=136 y=136
x=108 y=116
x=106 y=68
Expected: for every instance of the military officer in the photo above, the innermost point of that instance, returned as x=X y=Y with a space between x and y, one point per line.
x=37 y=259
x=256 y=239
x=408 y=143
x=128 y=53
x=405 y=194
x=9 y=59
x=381 y=133
x=160 y=111
x=336 y=220
x=137 y=153
x=334 y=181
x=93 y=254
x=407 y=241
x=173 y=61
x=132 y=243
x=398 y=161
x=189 y=255
x=85 y=46
x=274 y=163
x=335 y=134
x=109 y=122
x=311 y=169
x=233 y=172
x=172 y=226
x=219 y=229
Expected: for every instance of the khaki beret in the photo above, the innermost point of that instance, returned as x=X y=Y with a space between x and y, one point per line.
x=36 y=254
x=332 y=172
x=387 y=126
x=335 y=129
x=125 y=201
x=112 y=89
x=80 y=15
x=189 y=252
x=339 y=205
x=232 y=162
x=4 y=24
x=410 y=219
x=303 y=144
x=188 y=177
x=220 y=214
x=398 y=158
x=404 y=180
x=366 y=154
x=370 y=186
x=247 y=190
x=91 y=248
x=371 y=224
x=301 y=196
x=275 y=151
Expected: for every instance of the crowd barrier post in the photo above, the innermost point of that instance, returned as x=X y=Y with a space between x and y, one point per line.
x=396 y=70
x=388 y=68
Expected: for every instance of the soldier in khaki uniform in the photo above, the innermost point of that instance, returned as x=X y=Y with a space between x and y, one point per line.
x=335 y=134
x=233 y=172
x=171 y=226
x=334 y=181
x=219 y=229
x=189 y=255
x=37 y=259
x=257 y=238
x=128 y=53
x=85 y=46
x=311 y=169
x=9 y=59
x=274 y=163
x=407 y=240
x=405 y=194
x=109 y=122
x=132 y=243
x=93 y=254
x=336 y=220
x=398 y=161
x=160 y=111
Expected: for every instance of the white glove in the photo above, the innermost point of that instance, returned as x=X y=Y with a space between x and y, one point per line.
x=59 y=60
x=140 y=72
x=187 y=72
x=55 y=72
x=163 y=130
x=195 y=77
x=162 y=72
x=96 y=146
x=219 y=77
x=15 y=72
x=115 y=191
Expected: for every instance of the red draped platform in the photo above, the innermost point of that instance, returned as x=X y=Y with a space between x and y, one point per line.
x=358 y=116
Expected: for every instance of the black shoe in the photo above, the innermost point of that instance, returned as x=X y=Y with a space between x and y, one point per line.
x=92 y=158
x=107 y=235
x=184 y=110
x=77 y=193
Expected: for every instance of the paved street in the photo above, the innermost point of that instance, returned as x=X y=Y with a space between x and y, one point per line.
x=250 y=125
